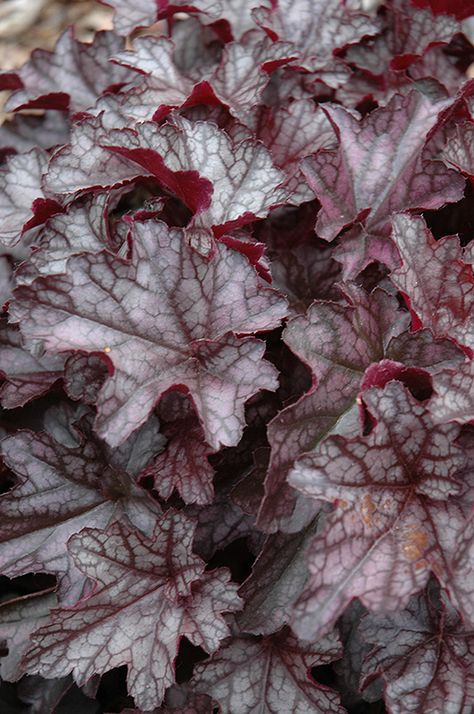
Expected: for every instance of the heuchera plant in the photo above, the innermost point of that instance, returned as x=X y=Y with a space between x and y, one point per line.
x=236 y=354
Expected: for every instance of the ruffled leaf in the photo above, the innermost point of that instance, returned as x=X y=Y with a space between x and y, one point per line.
x=163 y=320
x=148 y=594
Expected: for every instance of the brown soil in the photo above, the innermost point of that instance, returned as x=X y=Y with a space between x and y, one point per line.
x=28 y=24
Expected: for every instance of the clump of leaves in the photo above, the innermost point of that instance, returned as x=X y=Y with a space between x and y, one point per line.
x=237 y=396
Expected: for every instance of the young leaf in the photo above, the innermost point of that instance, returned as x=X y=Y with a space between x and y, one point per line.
x=183 y=464
x=384 y=149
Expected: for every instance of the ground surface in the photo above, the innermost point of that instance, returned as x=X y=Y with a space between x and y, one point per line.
x=27 y=24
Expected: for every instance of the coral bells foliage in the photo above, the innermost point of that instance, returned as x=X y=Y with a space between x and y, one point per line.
x=236 y=354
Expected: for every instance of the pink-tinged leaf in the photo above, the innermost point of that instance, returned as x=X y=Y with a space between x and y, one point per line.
x=70 y=77
x=21 y=195
x=435 y=279
x=453 y=399
x=183 y=464
x=338 y=342
x=408 y=34
x=316 y=29
x=26 y=376
x=441 y=66
x=426 y=656
x=359 y=248
x=62 y=490
x=390 y=489
x=379 y=168
x=148 y=594
x=296 y=430
x=18 y=619
x=163 y=320
x=84 y=375
x=143 y=13
x=25 y=132
x=277 y=580
x=269 y=675
x=291 y=133
x=459 y=149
